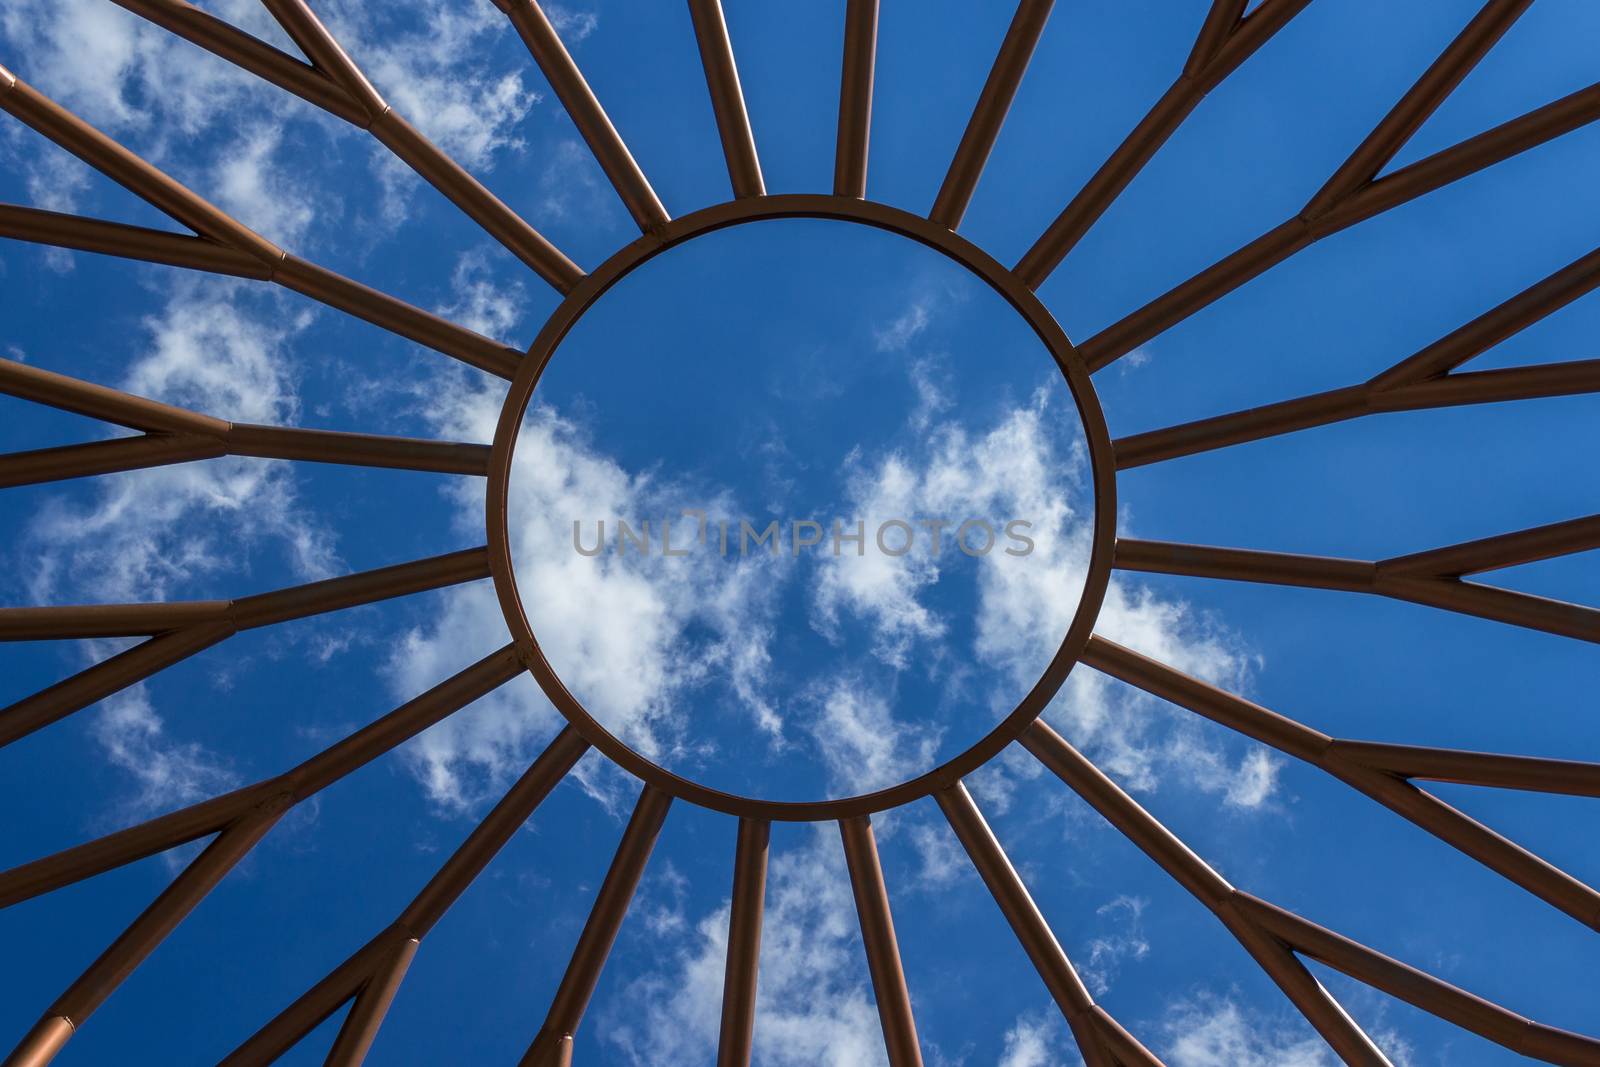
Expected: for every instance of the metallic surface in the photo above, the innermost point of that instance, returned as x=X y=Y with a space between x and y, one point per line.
x=1277 y=940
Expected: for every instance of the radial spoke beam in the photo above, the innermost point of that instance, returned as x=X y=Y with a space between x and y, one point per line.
x=374 y=992
x=727 y=98
x=1101 y=1040
x=183 y=205
x=855 y=98
x=1395 y=578
x=1436 y=997
x=175 y=435
x=1318 y=220
x=584 y=109
x=310 y=777
x=983 y=129
x=1344 y=760
x=1225 y=41
x=883 y=951
x=140 y=939
x=129 y=242
x=1208 y=887
x=337 y=86
x=600 y=932
x=1473 y=768
x=1420 y=101
x=263 y=609
x=744 y=944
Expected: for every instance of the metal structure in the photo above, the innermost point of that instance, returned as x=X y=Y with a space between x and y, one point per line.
x=1278 y=940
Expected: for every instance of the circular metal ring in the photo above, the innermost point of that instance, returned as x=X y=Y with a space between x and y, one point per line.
x=843 y=209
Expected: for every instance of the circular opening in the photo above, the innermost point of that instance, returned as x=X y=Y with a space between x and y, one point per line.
x=798 y=511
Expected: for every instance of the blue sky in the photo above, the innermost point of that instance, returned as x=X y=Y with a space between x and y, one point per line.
x=800 y=370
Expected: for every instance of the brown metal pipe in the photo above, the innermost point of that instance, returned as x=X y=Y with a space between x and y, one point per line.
x=246 y=52
x=600 y=931
x=360 y=1027
x=404 y=723
x=1220 y=431
x=1420 y=101
x=855 y=99
x=367 y=450
x=29 y=880
x=397 y=316
x=107 y=620
x=1225 y=51
x=1205 y=885
x=365 y=587
x=270 y=1042
x=1500 y=771
x=1491 y=386
x=1498 y=605
x=475 y=200
x=1244 y=565
x=141 y=938
x=104 y=457
x=1026 y=921
x=129 y=242
x=313 y=38
x=883 y=951
x=584 y=108
x=492 y=833
x=744 y=944
x=1470 y=156
x=1234 y=712
x=97 y=401
x=1504 y=550
x=727 y=98
x=1210 y=285
x=1222 y=18
x=983 y=129
x=1421 y=990
x=109 y=676
x=1495 y=325
x=127 y=169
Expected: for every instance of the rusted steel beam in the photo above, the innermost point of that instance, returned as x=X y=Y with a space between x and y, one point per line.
x=744 y=944
x=883 y=951
x=989 y=114
x=1223 y=44
x=727 y=98
x=581 y=105
x=855 y=98
x=600 y=931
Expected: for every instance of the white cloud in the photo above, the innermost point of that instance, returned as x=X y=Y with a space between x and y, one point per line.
x=249 y=183
x=1038 y=1041
x=1214 y=1032
x=1122 y=939
x=814 y=1005
x=863 y=745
